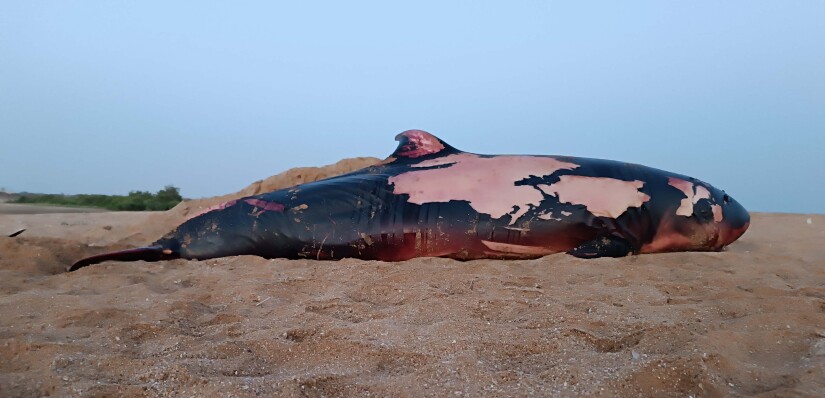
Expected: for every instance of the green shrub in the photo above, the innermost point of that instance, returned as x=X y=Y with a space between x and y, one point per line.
x=165 y=199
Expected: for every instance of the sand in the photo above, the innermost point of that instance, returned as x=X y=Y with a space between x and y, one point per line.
x=14 y=208
x=746 y=321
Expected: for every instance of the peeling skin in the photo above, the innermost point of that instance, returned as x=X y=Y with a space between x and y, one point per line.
x=271 y=206
x=517 y=249
x=693 y=194
x=717 y=213
x=701 y=193
x=590 y=192
x=685 y=186
x=686 y=206
x=488 y=184
x=216 y=207
x=548 y=216
x=367 y=239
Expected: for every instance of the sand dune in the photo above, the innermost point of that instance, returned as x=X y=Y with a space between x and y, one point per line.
x=747 y=321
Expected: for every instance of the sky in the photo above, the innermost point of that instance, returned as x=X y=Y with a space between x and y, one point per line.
x=108 y=97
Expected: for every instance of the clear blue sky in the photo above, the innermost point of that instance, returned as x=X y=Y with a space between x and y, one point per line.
x=107 y=97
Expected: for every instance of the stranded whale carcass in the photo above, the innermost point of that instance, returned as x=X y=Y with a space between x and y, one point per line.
x=430 y=199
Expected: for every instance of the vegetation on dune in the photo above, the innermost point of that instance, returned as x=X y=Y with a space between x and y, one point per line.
x=165 y=199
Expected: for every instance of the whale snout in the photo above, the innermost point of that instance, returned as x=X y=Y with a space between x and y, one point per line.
x=735 y=221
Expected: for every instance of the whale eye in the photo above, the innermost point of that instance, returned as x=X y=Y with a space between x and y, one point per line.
x=726 y=199
x=702 y=210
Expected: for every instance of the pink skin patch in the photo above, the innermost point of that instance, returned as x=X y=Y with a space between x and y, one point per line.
x=701 y=193
x=216 y=207
x=488 y=184
x=691 y=198
x=604 y=197
x=271 y=206
x=705 y=236
x=549 y=216
x=717 y=213
x=419 y=143
x=686 y=206
x=517 y=249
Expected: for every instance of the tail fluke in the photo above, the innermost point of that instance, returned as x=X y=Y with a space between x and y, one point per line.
x=149 y=253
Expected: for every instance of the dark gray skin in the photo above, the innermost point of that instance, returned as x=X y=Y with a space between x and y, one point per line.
x=430 y=199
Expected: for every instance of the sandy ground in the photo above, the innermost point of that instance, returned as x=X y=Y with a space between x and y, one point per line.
x=747 y=321
x=14 y=208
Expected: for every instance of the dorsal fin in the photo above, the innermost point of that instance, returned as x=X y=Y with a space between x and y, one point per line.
x=417 y=143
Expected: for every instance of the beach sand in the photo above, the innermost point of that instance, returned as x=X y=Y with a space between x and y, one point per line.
x=746 y=321
x=13 y=208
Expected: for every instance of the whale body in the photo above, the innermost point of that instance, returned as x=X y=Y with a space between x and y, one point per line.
x=431 y=199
